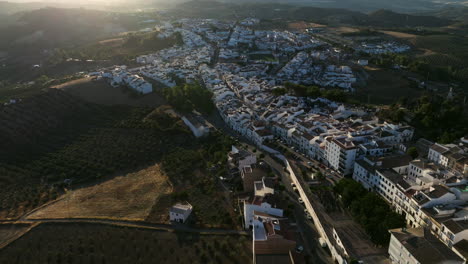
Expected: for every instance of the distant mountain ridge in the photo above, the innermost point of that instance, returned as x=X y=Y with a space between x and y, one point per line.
x=271 y=11
x=8 y=8
x=54 y=27
x=389 y=18
x=405 y=6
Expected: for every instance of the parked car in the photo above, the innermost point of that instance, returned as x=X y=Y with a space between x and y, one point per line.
x=300 y=200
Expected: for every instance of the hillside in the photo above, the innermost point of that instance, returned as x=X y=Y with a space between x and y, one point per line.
x=35 y=118
x=54 y=136
x=278 y=11
x=404 y=6
x=55 y=27
x=11 y=8
x=96 y=243
x=387 y=18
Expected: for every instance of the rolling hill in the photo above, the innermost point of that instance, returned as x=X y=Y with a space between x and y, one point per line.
x=404 y=6
x=275 y=11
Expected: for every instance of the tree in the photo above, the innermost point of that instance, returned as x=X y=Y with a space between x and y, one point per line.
x=279 y=91
x=370 y=210
x=413 y=152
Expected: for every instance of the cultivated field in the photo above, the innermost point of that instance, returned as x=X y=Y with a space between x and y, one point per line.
x=102 y=93
x=399 y=35
x=126 y=197
x=103 y=244
x=9 y=232
x=385 y=86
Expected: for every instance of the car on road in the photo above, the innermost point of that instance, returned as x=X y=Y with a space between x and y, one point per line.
x=300 y=200
x=299 y=249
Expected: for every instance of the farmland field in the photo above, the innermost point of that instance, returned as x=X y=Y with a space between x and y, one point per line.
x=11 y=231
x=75 y=142
x=385 y=86
x=443 y=44
x=129 y=197
x=399 y=35
x=103 y=244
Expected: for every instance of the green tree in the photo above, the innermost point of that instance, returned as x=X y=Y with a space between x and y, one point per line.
x=413 y=152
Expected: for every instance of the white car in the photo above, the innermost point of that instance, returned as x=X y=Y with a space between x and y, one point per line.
x=300 y=200
x=299 y=249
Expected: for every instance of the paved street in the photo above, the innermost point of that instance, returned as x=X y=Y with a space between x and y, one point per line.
x=309 y=234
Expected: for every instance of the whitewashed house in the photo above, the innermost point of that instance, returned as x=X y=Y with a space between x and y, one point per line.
x=180 y=212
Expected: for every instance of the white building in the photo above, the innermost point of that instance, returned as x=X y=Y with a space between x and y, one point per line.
x=259 y=204
x=454 y=231
x=365 y=169
x=419 y=246
x=436 y=154
x=241 y=158
x=264 y=187
x=180 y=212
x=341 y=154
x=198 y=127
x=363 y=62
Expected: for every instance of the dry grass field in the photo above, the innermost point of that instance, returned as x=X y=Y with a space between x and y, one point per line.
x=104 y=244
x=102 y=93
x=399 y=35
x=112 y=42
x=125 y=197
x=302 y=25
x=344 y=29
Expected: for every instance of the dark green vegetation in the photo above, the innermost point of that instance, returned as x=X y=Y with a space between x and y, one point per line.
x=262 y=57
x=451 y=54
x=413 y=152
x=118 y=51
x=188 y=97
x=314 y=91
x=94 y=243
x=368 y=209
x=194 y=173
x=362 y=33
x=434 y=117
x=10 y=90
x=423 y=66
x=53 y=139
x=387 y=18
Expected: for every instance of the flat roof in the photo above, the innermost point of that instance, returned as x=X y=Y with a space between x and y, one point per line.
x=456 y=226
x=425 y=247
